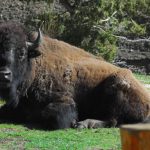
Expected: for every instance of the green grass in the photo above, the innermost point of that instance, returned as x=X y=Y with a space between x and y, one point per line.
x=16 y=137
x=19 y=137
x=143 y=78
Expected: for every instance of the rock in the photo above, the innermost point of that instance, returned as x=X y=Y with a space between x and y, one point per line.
x=22 y=11
x=134 y=54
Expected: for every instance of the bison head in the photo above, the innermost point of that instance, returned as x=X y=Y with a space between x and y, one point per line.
x=15 y=59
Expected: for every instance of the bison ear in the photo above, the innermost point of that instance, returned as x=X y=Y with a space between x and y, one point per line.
x=34 y=46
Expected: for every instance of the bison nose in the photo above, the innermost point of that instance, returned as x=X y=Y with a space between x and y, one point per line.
x=5 y=75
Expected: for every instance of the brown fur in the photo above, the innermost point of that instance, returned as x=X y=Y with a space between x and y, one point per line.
x=81 y=72
x=67 y=84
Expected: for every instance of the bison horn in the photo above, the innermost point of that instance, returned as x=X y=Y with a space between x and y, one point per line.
x=33 y=51
x=37 y=42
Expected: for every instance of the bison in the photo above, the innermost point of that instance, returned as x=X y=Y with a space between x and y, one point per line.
x=58 y=85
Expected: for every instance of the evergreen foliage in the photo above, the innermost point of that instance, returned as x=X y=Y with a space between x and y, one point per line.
x=94 y=24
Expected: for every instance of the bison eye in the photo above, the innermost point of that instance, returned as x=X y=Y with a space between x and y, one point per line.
x=22 y=54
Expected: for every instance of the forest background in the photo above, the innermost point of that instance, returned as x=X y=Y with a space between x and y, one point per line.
x=93 y=25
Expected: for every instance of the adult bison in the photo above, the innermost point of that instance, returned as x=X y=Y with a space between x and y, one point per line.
x=64 y=84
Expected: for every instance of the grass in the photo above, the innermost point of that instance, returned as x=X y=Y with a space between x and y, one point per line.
x=19 y=137
x=16 y=137
x=143 y=78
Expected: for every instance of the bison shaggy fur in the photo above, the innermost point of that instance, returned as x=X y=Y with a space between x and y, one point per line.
x=56 y=84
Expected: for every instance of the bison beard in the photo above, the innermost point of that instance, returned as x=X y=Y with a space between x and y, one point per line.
x=64 y=84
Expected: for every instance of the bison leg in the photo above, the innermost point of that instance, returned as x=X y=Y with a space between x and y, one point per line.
x=10 y=114
x=59 y=115
x=92 y=123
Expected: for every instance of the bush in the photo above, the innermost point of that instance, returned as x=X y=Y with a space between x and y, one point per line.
x=94 y=24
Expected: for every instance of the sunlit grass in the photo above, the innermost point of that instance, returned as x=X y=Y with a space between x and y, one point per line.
x=143 y=78
x=19 y=137
x=2 y=102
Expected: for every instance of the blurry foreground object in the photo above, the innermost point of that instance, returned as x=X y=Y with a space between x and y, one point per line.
x=135 y=137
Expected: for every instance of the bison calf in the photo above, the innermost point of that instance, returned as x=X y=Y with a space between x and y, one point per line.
x=51 y=82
